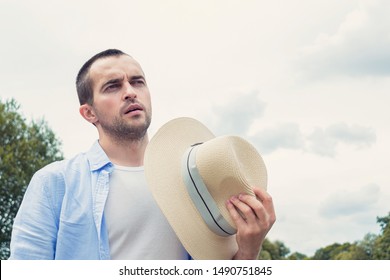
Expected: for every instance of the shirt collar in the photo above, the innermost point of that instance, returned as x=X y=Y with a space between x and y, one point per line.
x=97 y=157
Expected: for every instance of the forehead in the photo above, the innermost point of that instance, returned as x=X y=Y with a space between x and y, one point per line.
x=113 y=67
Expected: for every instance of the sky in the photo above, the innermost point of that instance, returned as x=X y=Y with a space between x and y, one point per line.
x=306 y=82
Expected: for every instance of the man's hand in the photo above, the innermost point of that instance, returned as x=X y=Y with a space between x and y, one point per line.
x=256 y=219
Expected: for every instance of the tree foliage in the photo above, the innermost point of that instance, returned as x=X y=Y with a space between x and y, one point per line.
x=24 y=148
x=371 y=247
x=382 y=243
x=273 y=250
x=332 y=251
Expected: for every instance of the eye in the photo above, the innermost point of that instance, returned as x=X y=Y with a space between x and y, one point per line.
x=112 y=87
x=137 y=83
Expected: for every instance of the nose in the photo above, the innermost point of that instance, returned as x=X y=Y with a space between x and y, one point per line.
x=129 y=92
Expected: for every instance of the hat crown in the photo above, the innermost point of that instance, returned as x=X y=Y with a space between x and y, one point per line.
x=228 y=166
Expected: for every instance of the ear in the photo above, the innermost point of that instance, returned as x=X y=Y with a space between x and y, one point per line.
x=87 y=112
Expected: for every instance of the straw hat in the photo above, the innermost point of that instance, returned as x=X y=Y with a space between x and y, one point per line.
x=191 y=174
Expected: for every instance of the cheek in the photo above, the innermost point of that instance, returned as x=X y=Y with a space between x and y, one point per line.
x=146 y=101
x=108 y=101
x=105 y=107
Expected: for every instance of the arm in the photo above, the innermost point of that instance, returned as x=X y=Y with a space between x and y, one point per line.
x=36 y=223
x=252 y=228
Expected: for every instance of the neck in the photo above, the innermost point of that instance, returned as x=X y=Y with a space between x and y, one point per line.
x=125 y=153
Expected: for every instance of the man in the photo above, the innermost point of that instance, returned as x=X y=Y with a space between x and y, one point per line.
x=97 y=204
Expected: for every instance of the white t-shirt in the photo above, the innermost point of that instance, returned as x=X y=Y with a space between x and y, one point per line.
x=137 y=229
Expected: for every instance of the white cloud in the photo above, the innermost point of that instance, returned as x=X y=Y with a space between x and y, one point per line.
x=348 y=203
x=361 y=45
x=325 y=141
x=237 y=115
x=354 y=134
x=321 y=143
x=286 y=135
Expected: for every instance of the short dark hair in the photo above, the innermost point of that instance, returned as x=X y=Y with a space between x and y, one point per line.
x=83 y=83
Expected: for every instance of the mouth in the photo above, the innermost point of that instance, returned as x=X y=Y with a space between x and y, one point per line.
x=133 y=108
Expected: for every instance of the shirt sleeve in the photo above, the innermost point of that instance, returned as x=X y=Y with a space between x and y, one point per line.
x=35 y=226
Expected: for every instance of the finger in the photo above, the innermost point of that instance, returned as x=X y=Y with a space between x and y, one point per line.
x=266 y=200
x=237 y=218
x=255 y=205
x=262 y=195
x=244 y=208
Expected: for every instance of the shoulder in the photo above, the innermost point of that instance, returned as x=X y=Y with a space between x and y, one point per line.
x=59 y=169
x=55 y=175
x=52 y=181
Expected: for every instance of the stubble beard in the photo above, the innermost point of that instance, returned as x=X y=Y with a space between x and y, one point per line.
x=122 y=132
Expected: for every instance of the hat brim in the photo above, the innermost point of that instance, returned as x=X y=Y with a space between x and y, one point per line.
x=163 y=159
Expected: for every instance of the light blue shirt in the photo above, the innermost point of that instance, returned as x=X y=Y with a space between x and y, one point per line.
x=61 y=216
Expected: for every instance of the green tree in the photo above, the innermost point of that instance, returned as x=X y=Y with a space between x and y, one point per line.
x=297 y=256
x=366 y=247
x=267 y=248
x=273 y=250
x=351 y=252
x=359 y=250
x=24 y=148
x=372 y=247
x=331 y=252
x=382 y=243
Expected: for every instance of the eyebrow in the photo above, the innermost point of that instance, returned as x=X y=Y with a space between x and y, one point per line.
x=118 y=80
x=139 y=77
x=111 y=81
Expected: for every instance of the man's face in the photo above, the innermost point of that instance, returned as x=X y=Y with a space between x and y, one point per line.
x=121 y=98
